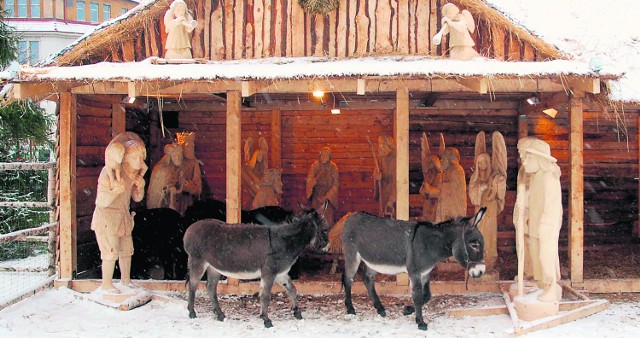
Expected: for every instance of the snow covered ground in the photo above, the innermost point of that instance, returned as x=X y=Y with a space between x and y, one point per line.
x=61 y=313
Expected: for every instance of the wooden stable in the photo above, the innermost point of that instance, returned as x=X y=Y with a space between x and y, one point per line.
x=586 y=136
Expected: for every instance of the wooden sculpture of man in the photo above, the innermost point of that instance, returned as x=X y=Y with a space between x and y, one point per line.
x=190 y=168
x=269 y=190
x=543 y=204
x=167 y=180
x=458 y=24
x=452 y=198
x=432 y=178
x=254 y=169
x=487 y=188
x=112 y=222
x=323 y=183
x=384 y=176
x=178 y=25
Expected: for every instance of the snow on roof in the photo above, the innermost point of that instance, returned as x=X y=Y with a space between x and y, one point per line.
x=589 y=30
x=45 y=26
x=309 y=67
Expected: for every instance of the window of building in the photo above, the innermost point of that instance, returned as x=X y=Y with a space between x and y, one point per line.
x=68 y=3
x=106 y=12
x=28 y=52
x=22 y=8
x=93 y=7
x=80 y=11
x=124 y=10
x=35 y=8
x=34 y=52
x=10 y=8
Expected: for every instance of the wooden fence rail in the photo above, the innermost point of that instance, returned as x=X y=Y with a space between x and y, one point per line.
x=12 y=236
x=27 y=166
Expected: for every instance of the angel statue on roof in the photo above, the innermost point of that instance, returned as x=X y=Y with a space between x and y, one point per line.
x=178 y=24
x=459 y=25
x=487 y=188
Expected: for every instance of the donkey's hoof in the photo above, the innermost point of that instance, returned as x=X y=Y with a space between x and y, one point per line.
x=268 y=324
x=220 y=317
x=351 y=311
x=297 y=314
x=192 y=314
x=382 y=312
x=422 y=326
x=408 y=310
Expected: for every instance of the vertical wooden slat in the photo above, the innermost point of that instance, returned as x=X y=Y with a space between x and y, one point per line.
x=497 y=35
x=147 y=40
x=197 y=39
x=258 y=20
x=351 y=28
x=433 y=26
x=362 y=28
x=403 y=26
x=118 y=119
x=514 y=48
x=68 y=253
x=383 y=27
x=341 y=33
x=153 y=40
x=308 y=28
x=266 y=34
x=422 y=27
x=413 y=44
x=401 y=131
x=297 y=29
x=394 y=25
x=576 y=192
x=238 y=34
x=217 y=38
x=318 y=44
x=207 y=31
x=331 y=50
x=276 y=138
x=128 y=54
x=228 y=29
x=277 y=27
x=528 y=54
x=233 y=135
x=371 y=6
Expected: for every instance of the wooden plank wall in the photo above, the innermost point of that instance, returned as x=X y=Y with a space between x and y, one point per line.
x=610 y=157
x=93 y=135
x=246 y=29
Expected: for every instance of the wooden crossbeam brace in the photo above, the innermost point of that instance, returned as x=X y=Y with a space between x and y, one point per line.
x=585 y=85
x=480 y=85
x=102 y=87
x=33 y=90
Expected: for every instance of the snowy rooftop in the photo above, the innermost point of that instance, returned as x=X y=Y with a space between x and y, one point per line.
x=592 y=32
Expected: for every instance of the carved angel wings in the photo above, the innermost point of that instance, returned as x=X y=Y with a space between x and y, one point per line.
x=498 y=151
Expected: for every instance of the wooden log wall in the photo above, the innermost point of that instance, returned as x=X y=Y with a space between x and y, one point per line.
x=246 y=29
x=610 y=156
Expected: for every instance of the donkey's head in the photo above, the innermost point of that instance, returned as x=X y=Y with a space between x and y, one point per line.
x=468 y=246
x=315 y=220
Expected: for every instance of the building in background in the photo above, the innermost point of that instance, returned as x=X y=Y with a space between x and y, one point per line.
x=46 y=26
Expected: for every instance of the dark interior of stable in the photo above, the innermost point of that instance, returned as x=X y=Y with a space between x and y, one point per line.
x=306 y=125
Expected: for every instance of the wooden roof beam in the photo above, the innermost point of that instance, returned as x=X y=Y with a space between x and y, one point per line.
x=584 y=85
x=102 y=87
x=479 y=85
x=34 y=90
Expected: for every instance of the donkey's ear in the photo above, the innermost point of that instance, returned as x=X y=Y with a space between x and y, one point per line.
x=478 y=216
x=325 y=206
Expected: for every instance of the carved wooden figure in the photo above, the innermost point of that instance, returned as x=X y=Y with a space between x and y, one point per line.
x=452 y=198
x=458 y=24
x=190 y=168
x=166 y=180
x=384 y=176
x=432 y=178
x=254 y=169
x=269 y=190
x=178 y=25
x=112 y=222
x=543 y=203
x=487 y=188
x=323 y=183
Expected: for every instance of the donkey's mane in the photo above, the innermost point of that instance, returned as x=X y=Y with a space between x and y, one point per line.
x=442 y=225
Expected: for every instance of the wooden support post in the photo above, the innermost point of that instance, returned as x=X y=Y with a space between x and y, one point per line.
x=118 y=119
x=234 y=152
x=401 y=130
x=51 y=200
x=636 y=229
x=276 y=138
x=576 y=193
x=67 y=168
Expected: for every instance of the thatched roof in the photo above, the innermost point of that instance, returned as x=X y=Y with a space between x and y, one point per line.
x=127 y=26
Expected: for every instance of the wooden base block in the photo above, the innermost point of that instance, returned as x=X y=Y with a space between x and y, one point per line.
x=529 y=308
x=128 y=297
